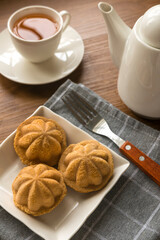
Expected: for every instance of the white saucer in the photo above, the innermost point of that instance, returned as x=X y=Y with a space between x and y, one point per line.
x=66 y=59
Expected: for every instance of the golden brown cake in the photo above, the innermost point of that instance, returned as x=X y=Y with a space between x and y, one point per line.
x=86 y=166
x=40 y=140
x=38 y=189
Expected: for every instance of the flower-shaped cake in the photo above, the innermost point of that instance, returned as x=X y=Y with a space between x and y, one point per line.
x=39 y=140
x=38 y=189
x=86 y=166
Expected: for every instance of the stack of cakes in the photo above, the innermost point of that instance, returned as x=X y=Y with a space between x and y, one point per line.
x=41 y=144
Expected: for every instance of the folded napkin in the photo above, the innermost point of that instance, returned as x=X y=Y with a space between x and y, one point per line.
x=131 y=210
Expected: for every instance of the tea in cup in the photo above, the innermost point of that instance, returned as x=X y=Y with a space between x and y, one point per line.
x=36 y=31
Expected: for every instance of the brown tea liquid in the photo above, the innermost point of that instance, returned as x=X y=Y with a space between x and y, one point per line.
x=35 y=27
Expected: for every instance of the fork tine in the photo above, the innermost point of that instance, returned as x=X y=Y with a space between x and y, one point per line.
x=75 y=102
x=71 y=105
x=90 y=109
x=78 y=101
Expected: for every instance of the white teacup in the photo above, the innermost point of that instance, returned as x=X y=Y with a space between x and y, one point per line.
x=38 y=50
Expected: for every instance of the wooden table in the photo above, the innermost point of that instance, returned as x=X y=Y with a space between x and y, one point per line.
x=96 y=71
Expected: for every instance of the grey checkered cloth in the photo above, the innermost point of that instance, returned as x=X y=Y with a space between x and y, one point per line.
x=131 y=210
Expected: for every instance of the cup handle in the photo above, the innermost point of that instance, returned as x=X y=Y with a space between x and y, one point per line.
x=67 y=19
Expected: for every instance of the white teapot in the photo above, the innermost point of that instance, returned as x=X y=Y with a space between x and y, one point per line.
x=136 y=53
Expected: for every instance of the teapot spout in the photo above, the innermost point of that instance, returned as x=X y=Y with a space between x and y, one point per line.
x=118 y=32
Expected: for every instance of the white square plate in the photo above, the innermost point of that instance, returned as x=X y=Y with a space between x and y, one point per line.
x=68 y=217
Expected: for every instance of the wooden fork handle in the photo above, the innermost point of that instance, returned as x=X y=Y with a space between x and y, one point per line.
x=146 y=164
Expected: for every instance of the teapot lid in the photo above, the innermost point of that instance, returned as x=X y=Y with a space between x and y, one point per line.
x=150 y=27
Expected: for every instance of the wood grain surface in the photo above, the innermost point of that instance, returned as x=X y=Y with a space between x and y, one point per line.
x=146 y=164
x=96 y=70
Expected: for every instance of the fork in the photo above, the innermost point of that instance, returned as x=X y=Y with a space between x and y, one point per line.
x=90 y=118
